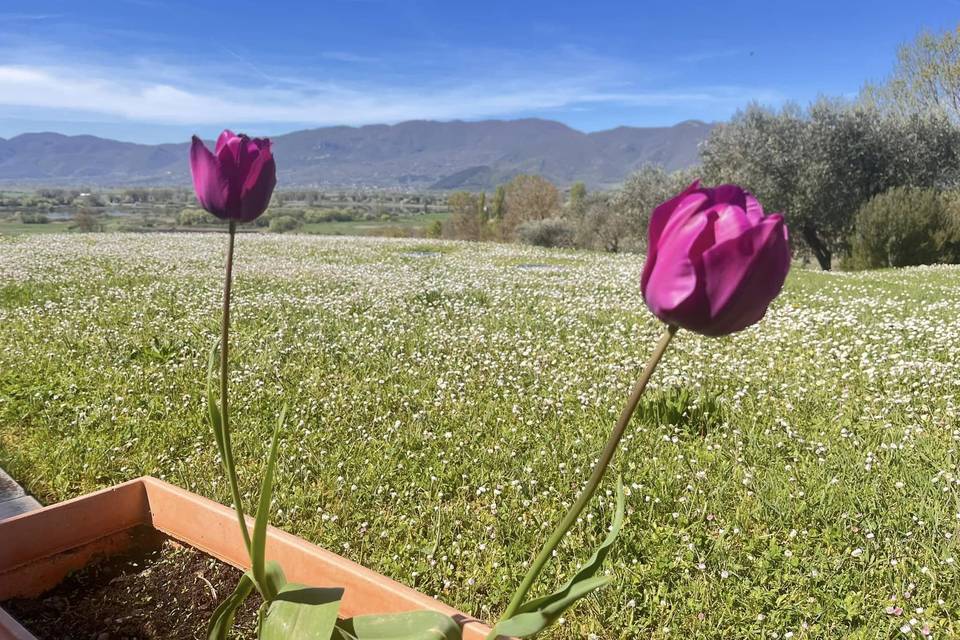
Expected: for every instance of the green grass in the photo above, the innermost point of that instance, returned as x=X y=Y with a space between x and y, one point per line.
x=398 y=225
x=17 y=228
x=460 y=399
x=373 y=227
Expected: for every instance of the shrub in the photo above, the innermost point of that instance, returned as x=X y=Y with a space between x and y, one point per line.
x=195 y=217
x=315 y=216
x=904 y=226
x=552 y=232
x=282 y=224
x=86 y=221
x=34 y=218
x=435 y=229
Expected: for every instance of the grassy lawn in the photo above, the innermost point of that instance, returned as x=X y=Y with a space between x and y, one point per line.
x=447 y=400
x=8 y=227
x=373 y=227
x=401 y=224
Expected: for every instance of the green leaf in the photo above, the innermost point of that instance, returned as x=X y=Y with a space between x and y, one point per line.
x=222 y=620
x=526 y=624
x=410 y=625
x=273 y=581
x=213 y=409
x=259 y=543
x=301 y=613
x=538 y=614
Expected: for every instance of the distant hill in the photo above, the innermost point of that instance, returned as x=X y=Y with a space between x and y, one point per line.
x=413 y=155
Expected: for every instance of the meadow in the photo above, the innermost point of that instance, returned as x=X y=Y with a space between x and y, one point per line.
x=795 y=480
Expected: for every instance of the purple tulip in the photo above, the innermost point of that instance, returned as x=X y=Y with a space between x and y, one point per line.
x=715 y=261
x=236 y=181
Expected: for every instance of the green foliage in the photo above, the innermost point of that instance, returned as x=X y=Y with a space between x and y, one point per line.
x=552 y=232
x=86 y=221
x=193 y=217
x=213 y=408
x=33 y=218
x=820 y=165
x=221 y=622
x=283 y=224
x=536 y=615
x=434 y=229
x=926 y=76
x=314 y=216
x=410 y=625
x=499 y=203
x=301 y=613
x=258 y=543
x=690 y=411
x=604 y=225
x=578 y=193
x=903 y=227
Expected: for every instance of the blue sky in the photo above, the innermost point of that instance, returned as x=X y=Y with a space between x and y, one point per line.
x=159 y=70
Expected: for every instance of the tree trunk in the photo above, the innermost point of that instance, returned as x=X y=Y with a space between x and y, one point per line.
x=820 y=250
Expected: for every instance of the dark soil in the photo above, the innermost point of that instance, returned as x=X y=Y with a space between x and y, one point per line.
x=163 y=590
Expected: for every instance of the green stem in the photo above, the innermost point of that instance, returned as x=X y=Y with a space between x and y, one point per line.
x=228 y=463
x=595 y=478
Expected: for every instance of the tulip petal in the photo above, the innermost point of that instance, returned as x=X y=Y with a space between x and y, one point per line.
x=661 y=217
x=728 y=194
x=231 y=155
x=672 y=283
x=663 y=213
x=732 y=221
x=258 y=187
x=222 y=140
x=744 y=274
x=754 y=210
x=209 y=182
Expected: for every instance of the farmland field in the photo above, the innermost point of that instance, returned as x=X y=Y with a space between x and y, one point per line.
x=447 y=400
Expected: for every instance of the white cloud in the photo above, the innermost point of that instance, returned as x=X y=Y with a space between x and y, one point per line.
x=346 y=56
x=28 y=17
x=178 y=95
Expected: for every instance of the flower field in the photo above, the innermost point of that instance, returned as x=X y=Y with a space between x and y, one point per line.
x=448 y=399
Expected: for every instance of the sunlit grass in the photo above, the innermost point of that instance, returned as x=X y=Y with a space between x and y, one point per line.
x=446 y=404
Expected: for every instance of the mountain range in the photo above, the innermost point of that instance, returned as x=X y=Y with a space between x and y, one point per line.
x=410 y=155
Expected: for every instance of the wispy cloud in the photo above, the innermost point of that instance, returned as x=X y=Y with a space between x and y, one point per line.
x=705 y=56
x=346 y=56
x=29 y=17
x=480 y=83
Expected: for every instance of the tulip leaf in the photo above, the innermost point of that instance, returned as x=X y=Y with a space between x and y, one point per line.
x=527 y=624
x=258 y=545
x=300 y=613
x=213 y=410
x=273 y=580
x=536 y=615
x=410 y=625
x=222 y=620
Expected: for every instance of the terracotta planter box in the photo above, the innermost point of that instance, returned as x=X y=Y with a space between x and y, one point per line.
x=38 y=549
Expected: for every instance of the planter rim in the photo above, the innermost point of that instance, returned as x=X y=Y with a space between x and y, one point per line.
x=38 y=551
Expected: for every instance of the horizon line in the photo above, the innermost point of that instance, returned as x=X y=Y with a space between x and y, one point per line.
x=687 y=121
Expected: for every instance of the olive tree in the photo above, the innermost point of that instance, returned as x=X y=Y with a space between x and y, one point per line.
x=603 y=225
x=819 y=166
x=641 y=192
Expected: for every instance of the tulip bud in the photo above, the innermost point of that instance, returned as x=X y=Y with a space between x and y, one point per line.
x=236 y=181
x=715 y=262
